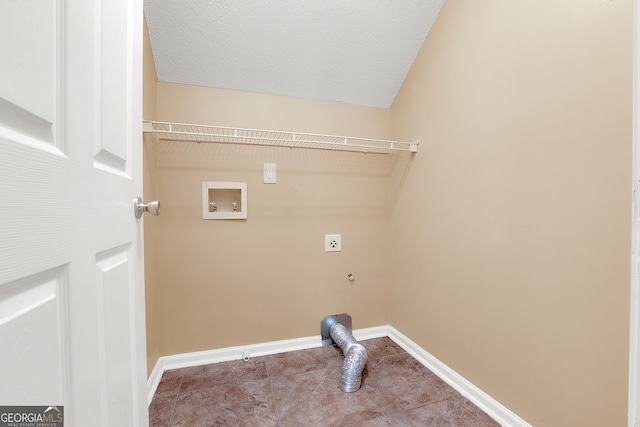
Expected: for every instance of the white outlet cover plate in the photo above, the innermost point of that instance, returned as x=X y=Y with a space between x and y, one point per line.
x=333 y=242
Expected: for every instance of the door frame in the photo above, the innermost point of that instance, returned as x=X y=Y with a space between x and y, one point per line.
x=634 y=311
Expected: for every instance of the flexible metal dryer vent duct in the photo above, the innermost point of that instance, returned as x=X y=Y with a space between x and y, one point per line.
x=337 y=328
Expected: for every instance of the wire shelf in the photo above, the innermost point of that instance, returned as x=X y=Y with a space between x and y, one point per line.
x=220 y=134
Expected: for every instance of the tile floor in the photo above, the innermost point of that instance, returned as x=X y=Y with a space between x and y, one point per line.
x=300 y=388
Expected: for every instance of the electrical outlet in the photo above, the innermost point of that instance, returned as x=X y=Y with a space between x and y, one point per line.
x=269 y=173
x=333 y=242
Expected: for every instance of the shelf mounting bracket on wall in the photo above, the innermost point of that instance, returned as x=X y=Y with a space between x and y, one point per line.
x=243 y=136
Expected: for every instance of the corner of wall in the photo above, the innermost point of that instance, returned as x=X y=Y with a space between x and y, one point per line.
x=150 y=83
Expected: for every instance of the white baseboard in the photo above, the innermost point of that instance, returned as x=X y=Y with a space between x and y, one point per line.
x=482 y=400
x=498 y=412
x=154 y=380
x=369 y=333
x=197 y=358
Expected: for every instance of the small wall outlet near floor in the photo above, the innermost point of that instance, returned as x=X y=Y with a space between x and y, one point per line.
x=333 y=242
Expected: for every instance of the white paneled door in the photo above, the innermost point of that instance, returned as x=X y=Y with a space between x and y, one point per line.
x=72 y=327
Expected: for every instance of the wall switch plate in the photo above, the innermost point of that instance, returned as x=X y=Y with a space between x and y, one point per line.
x=269 y=173
x=333 y=242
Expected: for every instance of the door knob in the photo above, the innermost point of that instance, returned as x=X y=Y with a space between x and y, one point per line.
x=139 y=208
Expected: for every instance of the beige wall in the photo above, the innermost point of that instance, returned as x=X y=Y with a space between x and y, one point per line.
x=233 y=282
x=502 y=247
x=150 y=192
x=511 y=231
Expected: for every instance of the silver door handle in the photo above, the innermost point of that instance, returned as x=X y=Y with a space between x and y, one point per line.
x=139 y=208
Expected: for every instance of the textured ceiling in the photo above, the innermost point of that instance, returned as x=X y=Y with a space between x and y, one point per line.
x=352 y=51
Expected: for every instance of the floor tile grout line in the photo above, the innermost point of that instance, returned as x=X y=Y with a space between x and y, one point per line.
x=175 y=402
x=424 y=405
x=273 y=396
